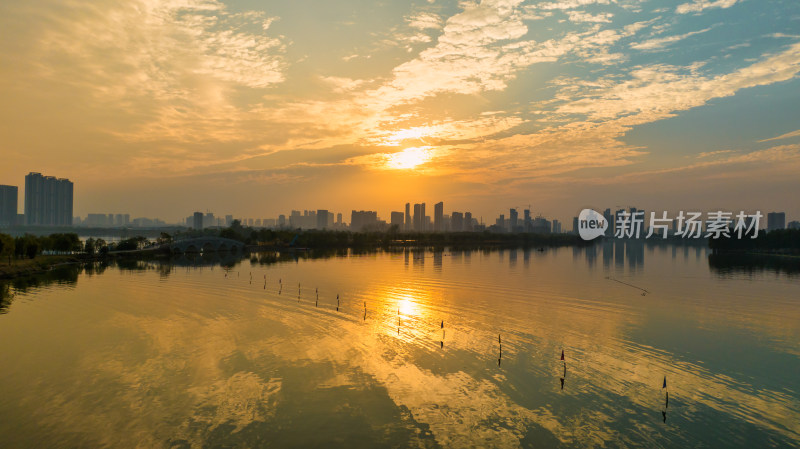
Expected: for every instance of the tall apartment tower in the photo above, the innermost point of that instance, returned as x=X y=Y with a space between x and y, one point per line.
x=48 y=200
x=8 y=205
x=438 y=217
x=197 y=219
x=408 y=217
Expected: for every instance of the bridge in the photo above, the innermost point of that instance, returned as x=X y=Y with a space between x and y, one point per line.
x=205 y=244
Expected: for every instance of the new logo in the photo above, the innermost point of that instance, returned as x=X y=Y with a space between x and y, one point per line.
x=591 y=224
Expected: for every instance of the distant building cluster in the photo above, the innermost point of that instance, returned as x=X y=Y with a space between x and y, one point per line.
x=49 y=202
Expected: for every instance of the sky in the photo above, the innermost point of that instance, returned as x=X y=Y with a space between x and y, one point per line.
x=159 y=108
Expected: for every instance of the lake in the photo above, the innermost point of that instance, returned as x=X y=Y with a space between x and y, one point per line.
x=427 y=349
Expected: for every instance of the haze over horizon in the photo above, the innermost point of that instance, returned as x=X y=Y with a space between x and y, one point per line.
x=162 y=107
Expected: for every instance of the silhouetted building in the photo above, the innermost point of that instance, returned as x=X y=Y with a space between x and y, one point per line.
x=397 y=219
x=776 y=220
x=457 y=222
x=541 y=226
x=419 y=217
x=363 y=219
x=282 y=220
x=48 y=200
x=8 y=205
x=793 y=225
x=198 y=220
x=501 y=222
x=323 y=216
x=438 y=217
x=513 y=218
x=574 y=225
x=556 y=227
x=609 y=218
x=527 y=223
x=468 y=221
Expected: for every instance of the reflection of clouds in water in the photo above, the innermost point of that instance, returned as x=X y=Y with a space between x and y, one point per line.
x=238 y=400
x=181 y=375
x=169 y=385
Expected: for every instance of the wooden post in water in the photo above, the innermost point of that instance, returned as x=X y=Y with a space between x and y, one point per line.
x=500 y=356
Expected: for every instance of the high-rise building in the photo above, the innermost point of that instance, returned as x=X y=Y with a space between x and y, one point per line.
x=574 y=225
x=322 y=218
x=438 y=217
x=556 y=227
x=8 y=205
x=362 y=219
x=541 y=225
x=793 y=225
x=527 y=223
x=48 y=200
x=457 y=221
x=408 y=217
x=776 y=220
x=609 y=220
x=468 y=221
x=198 y=220
x=397 y=219
x=513 y=217
x=282 y=220
x=418 y=217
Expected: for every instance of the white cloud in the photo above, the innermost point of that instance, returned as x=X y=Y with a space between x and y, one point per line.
x=788 y=135
x=424 y=21
x=659 y=43
x=700 y=5
x=582 y=16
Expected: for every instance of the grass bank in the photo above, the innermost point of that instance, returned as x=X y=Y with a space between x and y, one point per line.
x=39 y=264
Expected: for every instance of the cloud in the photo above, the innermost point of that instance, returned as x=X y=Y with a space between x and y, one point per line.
x=572 y=4
x=788 y=135
x=424 y=21
x=700 y=5
x=659 y=43
x=582 y=16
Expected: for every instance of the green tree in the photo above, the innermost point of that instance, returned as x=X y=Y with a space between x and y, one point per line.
x=32 y=247
x=6 y=247
x=90 y=246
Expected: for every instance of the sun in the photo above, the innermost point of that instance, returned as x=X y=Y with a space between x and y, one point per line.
x=408 y=158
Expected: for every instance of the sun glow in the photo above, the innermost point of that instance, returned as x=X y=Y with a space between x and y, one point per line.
x=407 y=306
x=408 y=158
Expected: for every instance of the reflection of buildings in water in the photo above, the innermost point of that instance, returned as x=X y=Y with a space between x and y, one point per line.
x=437 y=260
x=591 y=255
x=467 y=256
x=619 y=253
x=526 y=257
x=608 y=253
x=512 y=258
x=634 y=250
x=418 y=256
x=406 y=253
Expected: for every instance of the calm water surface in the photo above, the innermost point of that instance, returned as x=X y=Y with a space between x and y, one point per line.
x=428 y=349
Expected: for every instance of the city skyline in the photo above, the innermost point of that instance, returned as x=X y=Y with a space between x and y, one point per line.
x=169 y=107
x=49 y=201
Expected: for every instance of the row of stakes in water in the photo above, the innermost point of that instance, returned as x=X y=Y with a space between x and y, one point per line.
x=441 y=343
